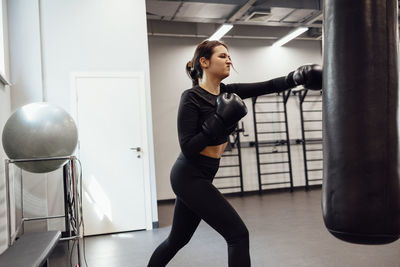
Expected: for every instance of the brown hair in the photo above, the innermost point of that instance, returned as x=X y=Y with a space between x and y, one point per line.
x=204 y=49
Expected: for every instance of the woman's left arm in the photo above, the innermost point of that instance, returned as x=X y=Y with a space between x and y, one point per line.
x=308 y=75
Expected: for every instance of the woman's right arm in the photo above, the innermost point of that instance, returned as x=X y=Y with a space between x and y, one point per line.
x=191 y=140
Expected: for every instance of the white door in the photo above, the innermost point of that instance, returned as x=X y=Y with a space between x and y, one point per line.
x=109 y=115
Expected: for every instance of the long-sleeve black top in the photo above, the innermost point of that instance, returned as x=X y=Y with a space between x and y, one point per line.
x=197 y=104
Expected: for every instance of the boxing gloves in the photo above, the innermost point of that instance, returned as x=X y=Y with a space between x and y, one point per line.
x=230 y=109
x=310 y=76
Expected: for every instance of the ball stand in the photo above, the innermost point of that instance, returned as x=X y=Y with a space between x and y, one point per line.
x=72 y=201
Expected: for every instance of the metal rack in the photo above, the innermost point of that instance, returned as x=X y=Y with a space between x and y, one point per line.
x=229 y=178
x=72 y=201
x=311 y=129
x=273 y=149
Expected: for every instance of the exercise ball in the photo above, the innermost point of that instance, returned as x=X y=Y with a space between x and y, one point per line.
x=40 y=130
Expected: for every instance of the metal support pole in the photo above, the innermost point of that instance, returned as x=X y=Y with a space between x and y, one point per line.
x=285 y=99
x=22 y=203
x=301 y=98
x=240 y=160
x=7 y=169
x=254 y=99
x=66 y=206
x=76 y=204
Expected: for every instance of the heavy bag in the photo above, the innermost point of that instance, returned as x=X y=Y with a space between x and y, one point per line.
x=361 y=193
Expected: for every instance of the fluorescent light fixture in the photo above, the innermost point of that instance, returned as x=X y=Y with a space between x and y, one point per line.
x=290 y=36
x=221 y=32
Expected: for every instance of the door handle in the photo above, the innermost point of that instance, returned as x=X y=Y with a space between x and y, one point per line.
x=138 y=149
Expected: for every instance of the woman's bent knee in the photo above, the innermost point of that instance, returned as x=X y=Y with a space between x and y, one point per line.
x=239 y=236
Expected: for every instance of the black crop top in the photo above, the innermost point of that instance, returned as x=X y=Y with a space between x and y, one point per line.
x=197 y=104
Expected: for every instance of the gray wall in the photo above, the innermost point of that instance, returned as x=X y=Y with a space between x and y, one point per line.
x=254 y=60
x=5 y=107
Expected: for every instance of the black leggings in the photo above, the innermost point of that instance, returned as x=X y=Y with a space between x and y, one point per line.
x=197 y=199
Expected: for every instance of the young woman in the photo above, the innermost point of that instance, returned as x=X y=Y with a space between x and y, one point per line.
x=207 y=114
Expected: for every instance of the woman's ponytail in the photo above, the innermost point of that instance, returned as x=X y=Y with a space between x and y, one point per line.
x=193 y=67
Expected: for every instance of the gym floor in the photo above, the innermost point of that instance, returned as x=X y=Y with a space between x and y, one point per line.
x=286 y=229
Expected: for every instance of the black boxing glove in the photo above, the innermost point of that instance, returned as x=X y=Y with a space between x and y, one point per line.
x=310 y=76
x=230 y=109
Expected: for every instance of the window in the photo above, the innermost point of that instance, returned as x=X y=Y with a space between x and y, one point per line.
x=3 y=77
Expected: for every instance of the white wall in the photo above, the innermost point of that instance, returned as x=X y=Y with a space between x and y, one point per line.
x=254 y=60
x=59 y=37
x=94 y=36
x=5 y=107
x=25 y=55
x=27 y=87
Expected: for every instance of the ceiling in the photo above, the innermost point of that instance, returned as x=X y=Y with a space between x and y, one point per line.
x=253 y=19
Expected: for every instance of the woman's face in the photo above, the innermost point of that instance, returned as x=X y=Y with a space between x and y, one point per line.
x=220 y=63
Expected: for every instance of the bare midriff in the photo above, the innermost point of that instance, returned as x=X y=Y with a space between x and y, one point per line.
x=214 y=151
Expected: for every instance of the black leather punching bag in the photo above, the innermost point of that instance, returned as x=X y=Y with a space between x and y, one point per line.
x=361 y=191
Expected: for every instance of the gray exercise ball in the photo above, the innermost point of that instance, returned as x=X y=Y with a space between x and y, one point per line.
x=40 y=130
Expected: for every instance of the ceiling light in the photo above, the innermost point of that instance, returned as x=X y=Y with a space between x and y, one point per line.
x=221 y=32
x=290 y=36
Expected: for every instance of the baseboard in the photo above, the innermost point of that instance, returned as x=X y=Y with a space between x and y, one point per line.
x=252 y=193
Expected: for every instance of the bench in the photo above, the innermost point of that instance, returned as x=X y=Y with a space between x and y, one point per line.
x=30 y=250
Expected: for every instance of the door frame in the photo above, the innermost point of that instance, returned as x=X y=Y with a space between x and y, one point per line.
x=146 y=147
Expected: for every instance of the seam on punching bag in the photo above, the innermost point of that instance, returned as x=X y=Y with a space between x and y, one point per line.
x=388 y=118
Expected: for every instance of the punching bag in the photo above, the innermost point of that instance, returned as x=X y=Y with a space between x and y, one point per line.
x=361 y=193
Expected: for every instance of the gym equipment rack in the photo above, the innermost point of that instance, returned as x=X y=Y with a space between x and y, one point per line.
x=72 y=200
x=270 y=120
x=311 y=130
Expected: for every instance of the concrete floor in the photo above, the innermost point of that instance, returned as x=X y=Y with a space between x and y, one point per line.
x=286 y=229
